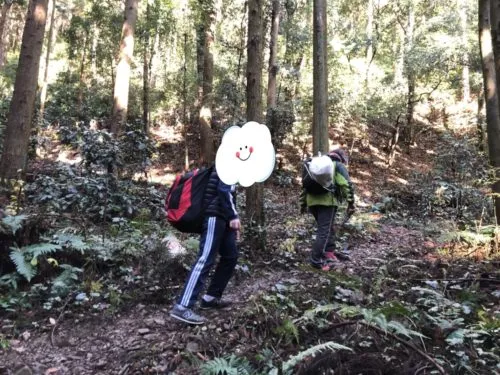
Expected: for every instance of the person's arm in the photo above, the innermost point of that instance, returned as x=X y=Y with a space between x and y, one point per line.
x=228 y=205
x=303 y=201
x=344 y=183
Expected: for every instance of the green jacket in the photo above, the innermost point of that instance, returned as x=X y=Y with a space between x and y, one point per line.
x=345 y=190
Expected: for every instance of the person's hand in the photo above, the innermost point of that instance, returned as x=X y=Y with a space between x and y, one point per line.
x=235 y=224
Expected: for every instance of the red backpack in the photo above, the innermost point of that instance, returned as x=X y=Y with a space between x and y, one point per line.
x=184 y=203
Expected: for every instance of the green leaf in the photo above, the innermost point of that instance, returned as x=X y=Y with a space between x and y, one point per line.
x=40 y=249
x=456 y=337
x=292 y=362
x=14 y=222
x=23 y=267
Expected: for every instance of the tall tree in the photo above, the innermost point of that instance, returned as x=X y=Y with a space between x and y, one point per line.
x=122 y=81
x=491 y=97
x=463 y=9
x=7 y=4
x=255 y=193
x=43 y=92
x=495 y=36
x=369 y=38
x=410 y=74
x=145 y=69
x=273 y=53
x=205 y=120
x=320 y=78
x=273 y=66
x=17 y=133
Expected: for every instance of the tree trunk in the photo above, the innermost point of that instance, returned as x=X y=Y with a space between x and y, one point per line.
x=400 y=60
x=200 y=26
x=495 y=35
x=43 y=93
x=184 y=105
x=491 y=97
x=205 y=120
x=481 y=137
x=465 y=56
x=410 y=77
x=3 y=21
x=122 y=81
x=320 y=79
x=145 y=72
x=17 y=132
x=255 y=193
x=93 y=52
x=369 y=39
x=273 y=68
x=82 y=84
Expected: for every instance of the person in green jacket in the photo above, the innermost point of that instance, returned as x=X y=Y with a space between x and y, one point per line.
x=324 y=208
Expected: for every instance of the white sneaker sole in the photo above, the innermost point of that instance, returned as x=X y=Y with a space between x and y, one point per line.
x=185 y=320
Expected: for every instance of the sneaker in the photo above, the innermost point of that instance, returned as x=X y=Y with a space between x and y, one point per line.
x=187 y=315
x=343 y=255
x=216 y=303
x=330 y=257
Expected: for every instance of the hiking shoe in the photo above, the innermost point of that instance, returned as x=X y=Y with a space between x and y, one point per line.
x=343 y=255
x=327 y=267
x=330 y=257
x=187 y=315
x=216 y=303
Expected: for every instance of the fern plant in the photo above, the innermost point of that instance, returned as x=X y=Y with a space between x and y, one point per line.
x=229 y=365
x=288 y=366
x=26 y=258
x=14 y=223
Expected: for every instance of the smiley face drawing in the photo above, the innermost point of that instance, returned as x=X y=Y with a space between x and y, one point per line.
x=246 y=155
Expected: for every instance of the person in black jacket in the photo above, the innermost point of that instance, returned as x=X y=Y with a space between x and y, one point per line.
x=221 y=230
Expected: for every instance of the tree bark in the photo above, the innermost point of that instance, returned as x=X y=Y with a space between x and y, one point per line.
x=491 y=97
x=205 y=119
x=369 y=39
x=43 y=92
x=93 y=52
x=82 y=84
x=7 y=4
x=145 y=72
x=495 y=36
x=17 y=132
x=465 y=56
x=400 y=58
x=255 y=193
x=320 y=79
x=122 y=81
x=273 y=68
x=410 y=76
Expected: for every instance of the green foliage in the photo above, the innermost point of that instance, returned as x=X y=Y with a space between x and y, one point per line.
x=94 y=196
x=62 y=284
x=288 y=331
x=100 y=150
x=14 y=222
x=288 y=366
x=229 y=365
x=23 y=267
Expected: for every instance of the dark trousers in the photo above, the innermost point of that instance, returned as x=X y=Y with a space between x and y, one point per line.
x=325 y=235
x=216 y=237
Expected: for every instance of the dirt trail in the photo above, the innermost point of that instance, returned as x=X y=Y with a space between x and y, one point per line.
x=144 y=339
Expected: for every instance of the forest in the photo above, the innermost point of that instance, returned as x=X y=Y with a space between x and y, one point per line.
x=104 y=103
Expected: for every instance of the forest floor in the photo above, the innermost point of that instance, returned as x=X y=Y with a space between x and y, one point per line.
x=403 y=268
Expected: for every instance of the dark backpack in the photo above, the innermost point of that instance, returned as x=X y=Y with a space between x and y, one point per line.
x=184 y=202
x=309 y=183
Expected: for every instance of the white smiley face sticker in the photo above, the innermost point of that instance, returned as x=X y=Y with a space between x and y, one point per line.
x=246 y=155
